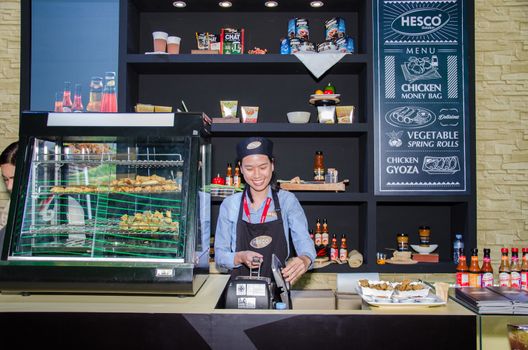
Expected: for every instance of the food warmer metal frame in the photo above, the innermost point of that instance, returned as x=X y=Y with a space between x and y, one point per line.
x=179 y=271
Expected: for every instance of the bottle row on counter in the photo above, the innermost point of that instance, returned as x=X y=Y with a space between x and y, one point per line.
x=512 y=273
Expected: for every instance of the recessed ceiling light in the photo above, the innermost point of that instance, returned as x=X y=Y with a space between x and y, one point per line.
x=225 y=4
x=271 y=4
x=317 y=4
x=179 y=4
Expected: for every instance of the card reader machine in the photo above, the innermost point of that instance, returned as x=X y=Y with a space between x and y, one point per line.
x=256 y=292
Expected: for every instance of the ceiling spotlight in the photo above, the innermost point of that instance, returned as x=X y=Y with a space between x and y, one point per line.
x=225 y=4
x=271 y=4
x=316 y=4
x=179 y=4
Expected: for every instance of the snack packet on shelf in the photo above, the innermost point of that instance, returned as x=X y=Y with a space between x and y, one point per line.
x=231 y=41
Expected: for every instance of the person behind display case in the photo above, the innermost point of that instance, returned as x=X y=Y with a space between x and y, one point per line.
x=240 y=238
x=7 y=167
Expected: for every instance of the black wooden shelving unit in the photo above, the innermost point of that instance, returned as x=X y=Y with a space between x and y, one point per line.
x=278 y=84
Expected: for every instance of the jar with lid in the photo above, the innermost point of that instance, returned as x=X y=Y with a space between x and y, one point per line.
x=425 y=235
x=403 y=242
x=319 y=169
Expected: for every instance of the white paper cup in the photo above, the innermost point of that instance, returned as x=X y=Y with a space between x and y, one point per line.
x=160 y=41
x=173 y=40
x=173 y=45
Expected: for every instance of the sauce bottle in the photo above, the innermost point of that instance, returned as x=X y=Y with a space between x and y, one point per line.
x=236 y=177
x=318 y=234
x=319 y=169
x=77 y=99
x=229 y=175
x=343 y=251
x=487 y=270
x=474 y=270
x=66 y=97
x=334 y=250
x=325 y=234
x=462 y=274
x=504 y=269
x=311 y=233
x=524 y=269
x=515 y=270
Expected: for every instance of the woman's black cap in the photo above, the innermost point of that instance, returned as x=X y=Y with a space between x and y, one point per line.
x=255 y=145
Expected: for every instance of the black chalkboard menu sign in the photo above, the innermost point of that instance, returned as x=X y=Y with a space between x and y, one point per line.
x=421 y=108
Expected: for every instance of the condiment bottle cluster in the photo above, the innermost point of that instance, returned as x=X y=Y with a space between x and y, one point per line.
x=326 y=247
x=512 y=273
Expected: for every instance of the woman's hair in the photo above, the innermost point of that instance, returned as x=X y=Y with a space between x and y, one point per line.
x=273 y=182
x=8 y=156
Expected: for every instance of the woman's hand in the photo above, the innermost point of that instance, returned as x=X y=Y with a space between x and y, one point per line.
x=248 y=258
x=295 y=268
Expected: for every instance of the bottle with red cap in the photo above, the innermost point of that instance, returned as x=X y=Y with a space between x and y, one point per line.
x=504 y=269
x=524 y=269
x=487 y=270
x=462 y=274
x=474 y=270
x=515 y=270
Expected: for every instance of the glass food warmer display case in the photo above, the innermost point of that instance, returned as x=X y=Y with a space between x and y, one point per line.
x=109 y=203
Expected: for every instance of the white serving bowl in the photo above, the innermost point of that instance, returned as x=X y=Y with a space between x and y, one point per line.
x=298 y=117
x=424 y=249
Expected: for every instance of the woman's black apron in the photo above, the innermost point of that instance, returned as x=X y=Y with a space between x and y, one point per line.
x=266 y=238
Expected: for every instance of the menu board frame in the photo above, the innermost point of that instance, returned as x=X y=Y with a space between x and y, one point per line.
x=423 y=124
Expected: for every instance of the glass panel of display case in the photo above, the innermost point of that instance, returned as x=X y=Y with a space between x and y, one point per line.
x=104 y=200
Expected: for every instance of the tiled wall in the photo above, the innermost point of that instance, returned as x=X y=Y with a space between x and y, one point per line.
x=501 y=32
x=501 y=45
x=9 y=76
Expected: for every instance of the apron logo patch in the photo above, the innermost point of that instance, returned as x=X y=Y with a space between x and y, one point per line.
x=260 y=242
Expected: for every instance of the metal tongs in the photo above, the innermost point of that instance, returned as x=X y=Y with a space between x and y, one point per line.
x=282 y=285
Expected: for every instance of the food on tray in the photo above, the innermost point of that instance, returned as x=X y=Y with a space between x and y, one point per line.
x=380 y=289
x=407 y=285
x=88 y=148
x=379 y=285
x=73 y=189
x=149 y=221
x=153 y=183
x=409 y=289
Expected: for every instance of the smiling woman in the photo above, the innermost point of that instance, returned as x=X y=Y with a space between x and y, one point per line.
x=261 y=221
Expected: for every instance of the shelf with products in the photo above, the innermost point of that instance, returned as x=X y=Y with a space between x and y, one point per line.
x=278 y=84
x=444 y=218
x=263 y=27
x=274 y=93
x=294 y=156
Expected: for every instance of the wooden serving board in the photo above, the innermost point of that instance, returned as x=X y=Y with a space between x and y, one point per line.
x=339 y=186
